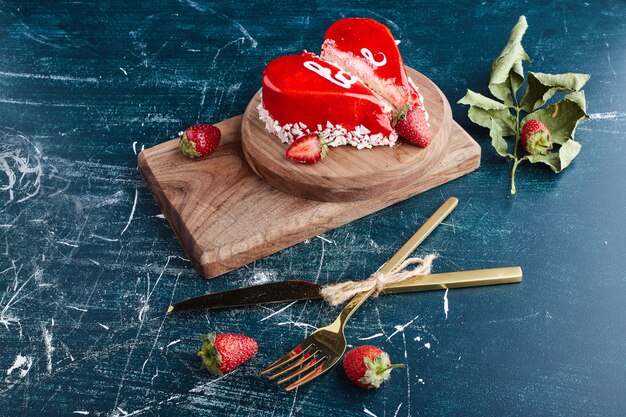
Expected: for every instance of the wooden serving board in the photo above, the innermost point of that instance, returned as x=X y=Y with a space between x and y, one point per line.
x=226 y=216
x=348 y=174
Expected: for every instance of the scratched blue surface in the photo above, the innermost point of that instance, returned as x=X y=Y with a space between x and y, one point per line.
x=88 y=265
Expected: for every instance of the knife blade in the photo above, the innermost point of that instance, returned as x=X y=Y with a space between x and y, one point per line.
x=297 y=290
x=274 y=292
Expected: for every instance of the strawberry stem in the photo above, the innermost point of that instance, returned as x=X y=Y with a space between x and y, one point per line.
x=517 y=141
x=517 y=136
x=323 y=139
x=515 y=164
x=188 y=147
x=400 y=114
x=211 y=358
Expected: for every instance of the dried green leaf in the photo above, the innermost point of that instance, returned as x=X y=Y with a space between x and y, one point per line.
x=568 y=152
x=476 y=99
x=542 y=87
x=505 y=120
x=507 y=72
x=558 y=161
x=551 y=159
x=484 y=111
x=497 y=141
x=578 y=97
x=562 y=117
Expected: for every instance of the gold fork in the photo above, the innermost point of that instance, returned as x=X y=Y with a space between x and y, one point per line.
x=322 y=349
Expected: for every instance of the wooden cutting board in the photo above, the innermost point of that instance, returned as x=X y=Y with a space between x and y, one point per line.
x=226 y=216
x=347 y=174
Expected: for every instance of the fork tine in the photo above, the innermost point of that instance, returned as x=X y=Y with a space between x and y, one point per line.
x=291 y=355
x=303 y=369
x=294 y=364
x=310 y=376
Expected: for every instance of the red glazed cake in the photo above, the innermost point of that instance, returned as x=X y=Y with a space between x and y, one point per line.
x=303 y=94
x=354 y=93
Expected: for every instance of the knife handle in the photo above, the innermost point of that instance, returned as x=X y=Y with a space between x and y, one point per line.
x=474 y=278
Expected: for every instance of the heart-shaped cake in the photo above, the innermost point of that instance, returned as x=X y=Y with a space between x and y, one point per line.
x=357 y=92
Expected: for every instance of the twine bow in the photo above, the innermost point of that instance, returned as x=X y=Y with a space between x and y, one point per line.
x=336 y=294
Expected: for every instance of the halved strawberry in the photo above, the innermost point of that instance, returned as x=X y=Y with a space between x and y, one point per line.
x=308 y=149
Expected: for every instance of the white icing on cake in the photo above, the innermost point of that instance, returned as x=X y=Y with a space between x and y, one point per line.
x=367 y=54
x=334 y=134
x=340 y=78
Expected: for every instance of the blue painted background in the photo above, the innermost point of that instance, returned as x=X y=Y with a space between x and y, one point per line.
x=88 y=265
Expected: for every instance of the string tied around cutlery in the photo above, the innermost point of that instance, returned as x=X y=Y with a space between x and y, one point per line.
x=336 y=294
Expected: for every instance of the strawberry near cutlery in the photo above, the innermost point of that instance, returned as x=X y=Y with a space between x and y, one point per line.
x=324 y=348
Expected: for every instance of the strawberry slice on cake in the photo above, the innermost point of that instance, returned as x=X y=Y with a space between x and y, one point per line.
x=304 y=94
x=367 y=50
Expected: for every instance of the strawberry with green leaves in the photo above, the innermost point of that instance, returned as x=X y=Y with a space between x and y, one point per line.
x=368 y=366
x=536 y=138
x=199 y=140
x=411 y=124
x=518 y=120
x=221 y=353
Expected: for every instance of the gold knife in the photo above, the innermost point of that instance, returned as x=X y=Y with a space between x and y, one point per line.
x=296 y=290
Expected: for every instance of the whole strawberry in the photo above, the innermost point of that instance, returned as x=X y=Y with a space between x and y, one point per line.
x=368 y=366
x=199 y=140
x=412 y=125
x=536 y=138
x=221 y=353
x=308 y=149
